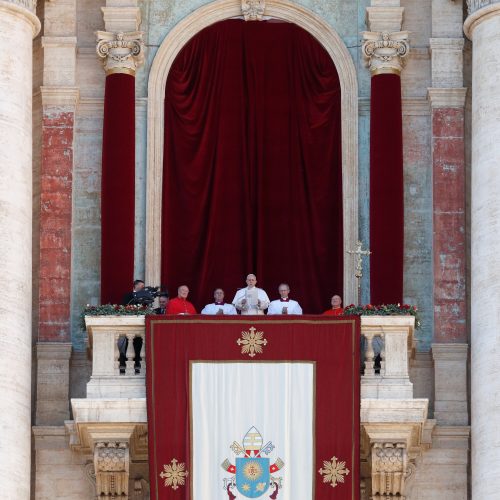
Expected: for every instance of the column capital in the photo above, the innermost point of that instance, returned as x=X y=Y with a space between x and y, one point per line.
x=120 y=52
x=23 y=9
x=479 y=11
x=384 y=51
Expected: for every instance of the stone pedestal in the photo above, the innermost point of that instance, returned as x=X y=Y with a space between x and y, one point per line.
x=18 y=25
x=483 y=28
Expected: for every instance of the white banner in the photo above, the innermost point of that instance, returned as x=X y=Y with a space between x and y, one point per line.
x=237 y=409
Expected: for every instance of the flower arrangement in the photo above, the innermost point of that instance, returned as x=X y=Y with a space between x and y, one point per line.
x=384 y=310
x=114 y=310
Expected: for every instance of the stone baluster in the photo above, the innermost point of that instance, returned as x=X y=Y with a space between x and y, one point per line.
x=116 y=354
x=129 y=370
x=143 y=356
x=369 y=355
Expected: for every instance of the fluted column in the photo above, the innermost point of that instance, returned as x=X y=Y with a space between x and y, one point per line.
x=18 y=26
x=385 y=49
x=122 y=54
x=482 y=26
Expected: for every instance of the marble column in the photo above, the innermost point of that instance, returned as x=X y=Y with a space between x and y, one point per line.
x=18 y=26
x=482 y=26
x=385 y=52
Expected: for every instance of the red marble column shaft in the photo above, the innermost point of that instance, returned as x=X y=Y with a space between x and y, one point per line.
x=449 y=224
x=56 y=174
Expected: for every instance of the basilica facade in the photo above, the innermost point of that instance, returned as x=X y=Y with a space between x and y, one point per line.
x=82 y=103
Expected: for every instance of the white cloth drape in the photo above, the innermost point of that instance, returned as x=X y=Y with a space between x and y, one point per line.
x=227 y=399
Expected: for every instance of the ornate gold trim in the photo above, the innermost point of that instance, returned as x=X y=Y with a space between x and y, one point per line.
x=125 y=71
x=174 y=474
x=333 y=471
x=386 y=71
x=251 y=342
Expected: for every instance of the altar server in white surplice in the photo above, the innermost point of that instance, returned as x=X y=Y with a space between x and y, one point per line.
x=284 y=305
x=251 y=300
x=219 y=307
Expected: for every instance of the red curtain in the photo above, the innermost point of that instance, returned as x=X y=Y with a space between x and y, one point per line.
x=386 y=191
x=252 y=164
x=118 y=188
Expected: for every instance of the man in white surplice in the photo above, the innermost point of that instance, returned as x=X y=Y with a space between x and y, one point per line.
x=284 y=305
x=251 y=300
x=218 y=306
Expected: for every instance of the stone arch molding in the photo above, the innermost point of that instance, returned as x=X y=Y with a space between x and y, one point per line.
x=220 y=10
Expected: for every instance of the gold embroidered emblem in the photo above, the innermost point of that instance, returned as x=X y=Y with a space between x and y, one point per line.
x=333 y=472
x=251 y=342
x=174 y=474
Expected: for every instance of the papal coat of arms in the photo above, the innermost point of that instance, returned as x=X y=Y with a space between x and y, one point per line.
x=252 y=473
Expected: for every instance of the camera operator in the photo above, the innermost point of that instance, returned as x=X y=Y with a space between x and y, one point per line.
x=130 y=297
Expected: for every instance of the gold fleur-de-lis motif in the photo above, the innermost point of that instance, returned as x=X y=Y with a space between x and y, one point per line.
x=333 y=472
x=174 y=474
x=251 y=342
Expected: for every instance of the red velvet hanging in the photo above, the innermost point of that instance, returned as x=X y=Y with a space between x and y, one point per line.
x=118 y=188
x=386 y=191
x=252 y=165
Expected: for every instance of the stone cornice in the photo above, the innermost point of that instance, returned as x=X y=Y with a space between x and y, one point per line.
x=482 y=11
x=384 y=18
x=120 y=52
x=60 y=96
x=447 y=98
x=385 y=52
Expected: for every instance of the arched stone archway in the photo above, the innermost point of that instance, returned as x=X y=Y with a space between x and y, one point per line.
x=220 y=10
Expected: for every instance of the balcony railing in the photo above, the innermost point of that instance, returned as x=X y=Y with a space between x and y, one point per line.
x=115 y=378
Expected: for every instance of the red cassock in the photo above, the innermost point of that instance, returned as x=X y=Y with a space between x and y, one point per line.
x=334 y=312
x=180 y=306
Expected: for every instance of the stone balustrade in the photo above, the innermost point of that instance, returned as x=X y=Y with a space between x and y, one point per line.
x=109 y=379
x=391 y=335
x=392 y=338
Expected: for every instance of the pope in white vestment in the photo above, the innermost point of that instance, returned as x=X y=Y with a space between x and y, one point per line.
x=284 y=305
x=251 y=300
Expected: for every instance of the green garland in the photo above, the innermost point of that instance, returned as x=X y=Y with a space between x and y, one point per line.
x=350 y=310
x=384 y=310
x=113 y=310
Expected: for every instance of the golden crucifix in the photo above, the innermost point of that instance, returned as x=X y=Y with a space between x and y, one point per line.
x=359 y=264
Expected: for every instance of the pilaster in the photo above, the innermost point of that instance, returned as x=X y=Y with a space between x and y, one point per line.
x=52 y=398
x=59 y=95
x=450 y=375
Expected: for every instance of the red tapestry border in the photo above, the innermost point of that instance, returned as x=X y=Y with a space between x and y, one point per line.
x=332 y=344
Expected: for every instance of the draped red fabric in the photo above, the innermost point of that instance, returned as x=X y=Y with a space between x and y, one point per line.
x=118 y=188
x=174 y=342
x=252 y=165
x=386 y=191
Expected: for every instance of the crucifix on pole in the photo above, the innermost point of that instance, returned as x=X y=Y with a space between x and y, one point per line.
x=359 y=264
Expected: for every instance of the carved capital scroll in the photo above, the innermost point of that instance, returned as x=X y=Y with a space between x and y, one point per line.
x=389 y=469
x=120 y=52
x=111 y=464
x=253 y=10
x=385 y=52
